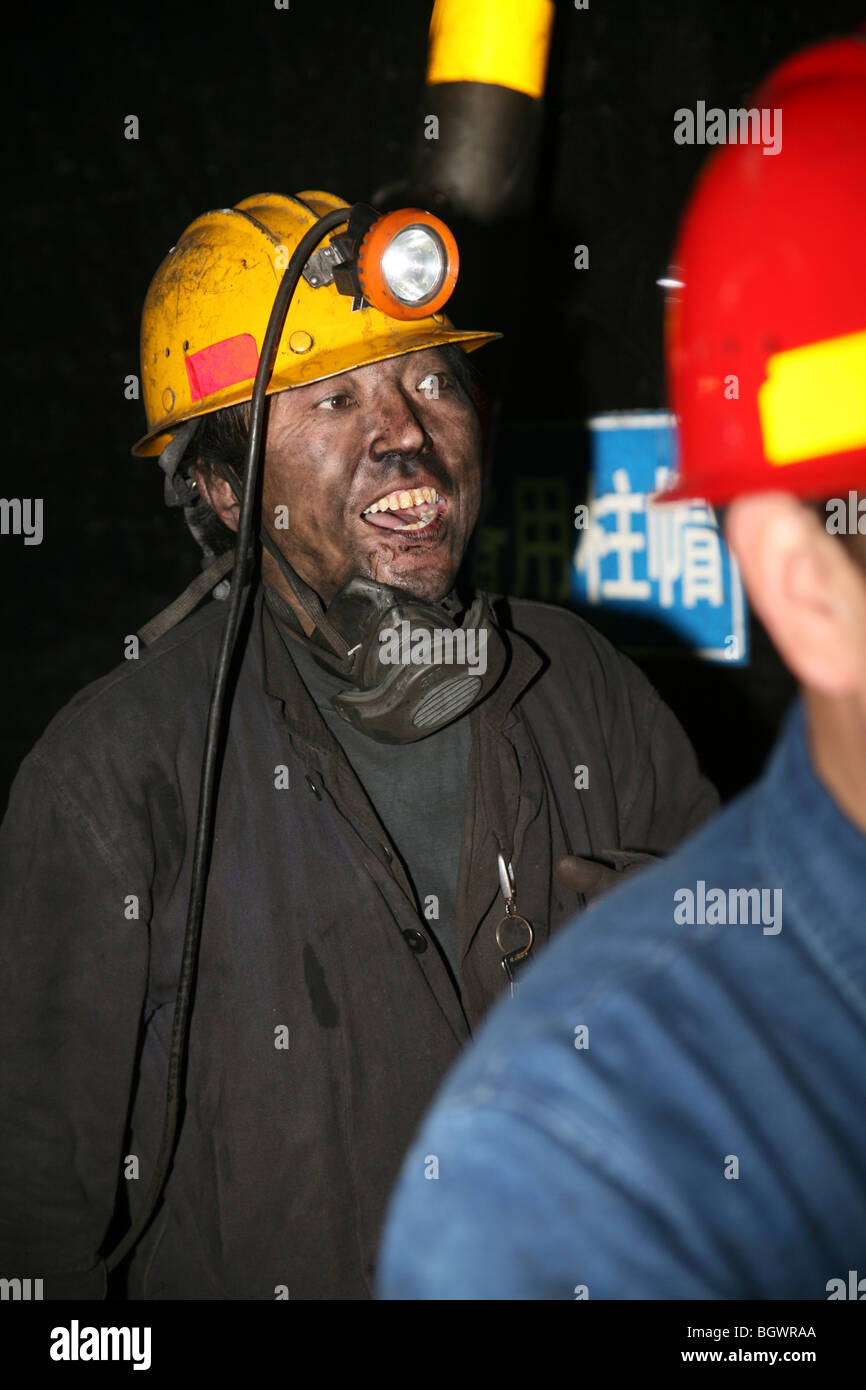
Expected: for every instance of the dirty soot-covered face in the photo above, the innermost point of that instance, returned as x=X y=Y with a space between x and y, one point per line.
x=379 y=469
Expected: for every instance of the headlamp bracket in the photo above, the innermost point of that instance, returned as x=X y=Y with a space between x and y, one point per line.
x=332 y=265
x=320 y=268
x=336 y=263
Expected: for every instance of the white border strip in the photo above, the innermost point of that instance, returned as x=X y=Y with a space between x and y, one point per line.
x=631 y=420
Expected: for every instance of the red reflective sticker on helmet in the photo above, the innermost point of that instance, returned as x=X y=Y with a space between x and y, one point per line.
x=222 y=364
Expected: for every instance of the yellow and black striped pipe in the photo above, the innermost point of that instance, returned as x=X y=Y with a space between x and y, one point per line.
x=486 y=70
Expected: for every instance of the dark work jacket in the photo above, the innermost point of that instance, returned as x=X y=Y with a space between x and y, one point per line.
x=319 y=1035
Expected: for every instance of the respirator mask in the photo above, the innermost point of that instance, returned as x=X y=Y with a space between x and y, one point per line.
x=413 y=666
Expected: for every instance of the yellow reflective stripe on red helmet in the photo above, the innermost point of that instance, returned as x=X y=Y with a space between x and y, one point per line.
x=814 y=400
x=499 y=41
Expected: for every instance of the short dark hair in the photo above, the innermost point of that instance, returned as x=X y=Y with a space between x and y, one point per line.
x=221 y=439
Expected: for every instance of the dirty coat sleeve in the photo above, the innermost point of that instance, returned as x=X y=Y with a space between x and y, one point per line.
x=73 y=966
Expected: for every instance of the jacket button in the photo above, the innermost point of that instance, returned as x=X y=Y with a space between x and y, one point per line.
x=415 y=940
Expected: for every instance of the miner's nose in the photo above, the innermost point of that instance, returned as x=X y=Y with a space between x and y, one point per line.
x=397 y=427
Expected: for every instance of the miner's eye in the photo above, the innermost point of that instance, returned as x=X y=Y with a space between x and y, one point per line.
x=434 y=383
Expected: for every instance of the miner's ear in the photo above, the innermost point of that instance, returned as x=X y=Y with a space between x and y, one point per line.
x=804 y=587
x=218 y=495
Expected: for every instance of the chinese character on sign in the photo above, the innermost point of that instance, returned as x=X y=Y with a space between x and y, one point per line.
x=667 y=562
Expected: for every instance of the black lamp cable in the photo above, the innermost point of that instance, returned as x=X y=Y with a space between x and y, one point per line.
x=212 y=748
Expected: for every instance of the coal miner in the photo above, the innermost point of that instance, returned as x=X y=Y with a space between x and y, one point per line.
x=397 y=825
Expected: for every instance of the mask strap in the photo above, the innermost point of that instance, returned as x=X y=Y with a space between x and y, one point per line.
x=307 y=597
x=184 y=604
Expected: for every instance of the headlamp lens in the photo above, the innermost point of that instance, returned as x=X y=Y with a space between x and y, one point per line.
x=407 y=264
x=413 y=266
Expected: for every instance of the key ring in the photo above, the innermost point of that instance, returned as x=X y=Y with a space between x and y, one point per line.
x=512 y=915
x=511 y=957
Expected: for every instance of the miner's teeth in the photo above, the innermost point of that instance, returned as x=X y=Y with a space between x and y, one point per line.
x=399 y=501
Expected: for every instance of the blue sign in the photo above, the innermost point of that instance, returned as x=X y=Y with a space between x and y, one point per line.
x=668 y=563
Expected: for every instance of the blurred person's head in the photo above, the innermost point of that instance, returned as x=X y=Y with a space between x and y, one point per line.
x=766 y=354
x=808 y=587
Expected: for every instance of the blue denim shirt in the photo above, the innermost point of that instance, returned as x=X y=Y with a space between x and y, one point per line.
x=668 y=1109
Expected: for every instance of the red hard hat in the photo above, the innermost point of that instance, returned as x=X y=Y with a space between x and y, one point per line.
x=766 y=338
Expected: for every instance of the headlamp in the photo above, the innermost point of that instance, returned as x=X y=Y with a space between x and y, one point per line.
x=404 y=263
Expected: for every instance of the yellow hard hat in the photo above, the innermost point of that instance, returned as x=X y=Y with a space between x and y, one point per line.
x=208 y=305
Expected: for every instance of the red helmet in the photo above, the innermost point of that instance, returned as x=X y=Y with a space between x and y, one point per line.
x=765 y=336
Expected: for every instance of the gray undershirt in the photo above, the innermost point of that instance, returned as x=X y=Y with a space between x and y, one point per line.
x=418 y=791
